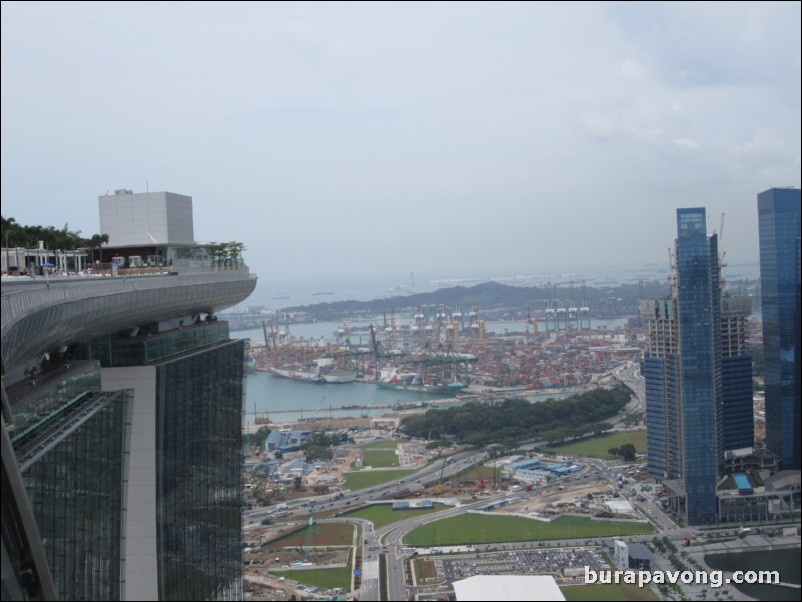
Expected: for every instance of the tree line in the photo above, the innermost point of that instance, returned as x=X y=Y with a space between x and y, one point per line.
x=509 y=421
x=13 y=234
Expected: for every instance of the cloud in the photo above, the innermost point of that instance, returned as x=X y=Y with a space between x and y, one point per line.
x=632 y=69
x=598 y=126
x=438 y=125
x=654 y=135
x=764 y=142
x=688 y=143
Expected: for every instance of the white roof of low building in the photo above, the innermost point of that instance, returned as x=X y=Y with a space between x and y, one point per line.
x=508 y=587
x=619 y=506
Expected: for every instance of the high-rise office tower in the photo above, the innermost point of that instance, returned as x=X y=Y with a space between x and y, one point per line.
x=738 y=421
x=778 y=220
x=121 y=411
x=698 y=375
x=182 y=520
x=698 y=298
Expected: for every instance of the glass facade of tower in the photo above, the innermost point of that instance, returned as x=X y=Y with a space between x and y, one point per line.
x=736 y=374
x=662 y=423
x=199 y=405
x=738 y=414
x=72 y=464
x=198 y=391
x=661 y=374
x=700 y=363
x=779 y=223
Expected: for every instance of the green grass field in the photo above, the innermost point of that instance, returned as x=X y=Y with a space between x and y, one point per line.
x=370 y=478
x=424 y=569
x=383 y=514
x=329 y=578
x=626 y=592
x=473 y=473
x=323 y=534
x=596 y=447
x=480 y=528
x=380 y=458
x=388 y=444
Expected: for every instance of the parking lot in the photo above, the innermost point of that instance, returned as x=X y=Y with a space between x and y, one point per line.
x=562 y=563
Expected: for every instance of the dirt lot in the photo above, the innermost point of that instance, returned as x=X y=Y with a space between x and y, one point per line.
x=548 y=501
x=261 y=587
x=260 y=557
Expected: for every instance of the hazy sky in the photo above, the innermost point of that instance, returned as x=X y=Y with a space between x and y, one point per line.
x=346 y=140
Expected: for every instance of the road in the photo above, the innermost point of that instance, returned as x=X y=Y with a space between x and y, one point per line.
x=393 y=534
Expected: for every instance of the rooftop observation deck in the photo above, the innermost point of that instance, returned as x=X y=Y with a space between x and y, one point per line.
x=46 y=313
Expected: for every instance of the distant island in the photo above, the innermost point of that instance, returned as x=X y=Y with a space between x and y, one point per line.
x=603 y=301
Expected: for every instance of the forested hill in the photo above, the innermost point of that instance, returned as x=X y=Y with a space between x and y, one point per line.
x=604 y=301
x=513 y=420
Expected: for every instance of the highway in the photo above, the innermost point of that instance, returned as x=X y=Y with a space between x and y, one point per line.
x=389 y=539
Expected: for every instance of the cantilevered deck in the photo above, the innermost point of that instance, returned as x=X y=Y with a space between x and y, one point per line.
x=39 y=315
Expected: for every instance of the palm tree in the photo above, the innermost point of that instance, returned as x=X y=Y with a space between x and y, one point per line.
x=96 y=242
x=235 y=250
x=217 y=251
x=7 y=226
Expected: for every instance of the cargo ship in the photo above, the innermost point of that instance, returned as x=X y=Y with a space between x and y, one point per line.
x=305 y=373
x=321 y=371
x=412 y=382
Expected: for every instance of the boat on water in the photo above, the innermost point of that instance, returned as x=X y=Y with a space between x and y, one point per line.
x=323 y=371
x=413 y=382
x=295 y=373
x=338 y=376
x=334 y=373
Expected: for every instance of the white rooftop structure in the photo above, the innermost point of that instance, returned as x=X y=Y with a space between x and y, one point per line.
x=146 y=218
x=508 y=587
x=620 y=506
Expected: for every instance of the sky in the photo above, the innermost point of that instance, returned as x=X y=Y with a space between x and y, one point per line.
x=350 y=141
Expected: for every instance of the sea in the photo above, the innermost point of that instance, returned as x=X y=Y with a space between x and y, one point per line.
x=284 y=400
x=278 y=293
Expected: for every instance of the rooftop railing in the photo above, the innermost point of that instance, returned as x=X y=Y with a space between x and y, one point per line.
x=21 y=295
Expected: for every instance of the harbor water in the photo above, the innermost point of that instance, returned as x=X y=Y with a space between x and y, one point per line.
x=284 y=400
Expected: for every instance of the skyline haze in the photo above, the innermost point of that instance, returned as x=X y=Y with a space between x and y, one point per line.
x=348 y=141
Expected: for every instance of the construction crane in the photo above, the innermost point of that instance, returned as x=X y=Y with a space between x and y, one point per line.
x=376 y=349
x=264 y=330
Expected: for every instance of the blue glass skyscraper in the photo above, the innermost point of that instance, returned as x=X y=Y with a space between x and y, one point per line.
x=779 y=219
x=700 y=363
x=698 y=375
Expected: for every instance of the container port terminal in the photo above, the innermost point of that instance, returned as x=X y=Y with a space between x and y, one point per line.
x=487 y=363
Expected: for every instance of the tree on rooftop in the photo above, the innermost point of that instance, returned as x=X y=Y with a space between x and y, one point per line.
x=217 y=251
x=235 y=250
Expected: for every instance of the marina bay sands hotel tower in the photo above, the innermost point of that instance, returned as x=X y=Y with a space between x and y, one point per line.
x=121 y=406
